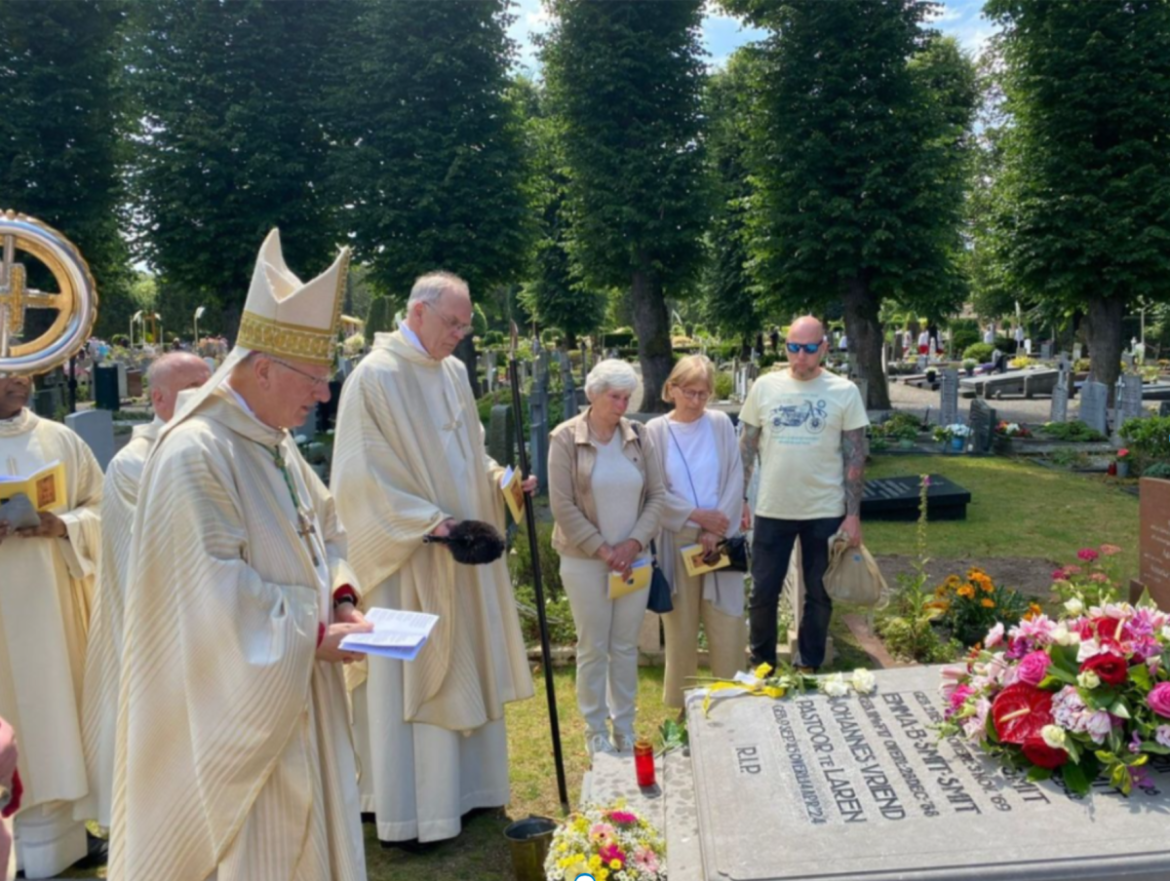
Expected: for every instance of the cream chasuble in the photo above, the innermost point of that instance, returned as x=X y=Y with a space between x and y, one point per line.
x=408 y=454
x=46 y=587
x=103 y=657
x=233 y=748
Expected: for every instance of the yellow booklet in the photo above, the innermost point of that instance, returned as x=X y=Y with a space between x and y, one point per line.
x=512 y=487
x=693 y=560
x=639 y=580
x=45 y=488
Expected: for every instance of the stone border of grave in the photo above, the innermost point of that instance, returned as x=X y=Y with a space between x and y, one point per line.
x=1043 y=446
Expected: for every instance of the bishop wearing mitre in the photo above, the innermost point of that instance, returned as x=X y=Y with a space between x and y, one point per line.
x=233 y=756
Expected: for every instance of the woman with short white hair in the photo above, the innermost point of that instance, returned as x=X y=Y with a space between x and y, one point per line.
x=606 y=498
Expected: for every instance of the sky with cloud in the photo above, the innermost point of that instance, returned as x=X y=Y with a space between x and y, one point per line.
x=723 y=34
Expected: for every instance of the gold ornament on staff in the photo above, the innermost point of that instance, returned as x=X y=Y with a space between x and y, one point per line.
x=75 y=302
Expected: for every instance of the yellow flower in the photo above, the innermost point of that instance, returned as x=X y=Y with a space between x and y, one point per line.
x=762 y=671
x=967 y=592
x=615 y=864
x=940 y=591
x=987 y=604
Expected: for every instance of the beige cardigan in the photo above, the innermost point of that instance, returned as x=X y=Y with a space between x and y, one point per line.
x=571 y=457
x=722 y=588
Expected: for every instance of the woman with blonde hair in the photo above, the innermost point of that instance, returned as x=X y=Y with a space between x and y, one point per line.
x=605 y=491
x=697 y=451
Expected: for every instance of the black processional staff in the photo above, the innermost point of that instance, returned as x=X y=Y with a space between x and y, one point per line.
x=538 y=587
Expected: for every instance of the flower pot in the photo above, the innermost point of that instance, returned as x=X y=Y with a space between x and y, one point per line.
x=1123 y=468
x=957 y=444
x=970 y=371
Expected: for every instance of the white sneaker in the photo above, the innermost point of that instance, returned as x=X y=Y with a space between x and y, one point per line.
x=599 y=743
x=623 y=743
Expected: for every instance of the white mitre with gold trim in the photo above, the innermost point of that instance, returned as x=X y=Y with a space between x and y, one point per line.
x=286 y=317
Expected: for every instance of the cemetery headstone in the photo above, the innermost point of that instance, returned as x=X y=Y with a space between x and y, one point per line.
x=1046 y=351
x=123 y=385
x=1094 y=396
x=48 y=401
x=897 y=499
x=1129 y=399
x=96 y=428
x=1078 y=350
x=860 y=787
x=105 y=387
x=502 y=434
x=1154 y=539
x=134 y=383
x=1059 y=409
x=982 y=420
x=949 y=397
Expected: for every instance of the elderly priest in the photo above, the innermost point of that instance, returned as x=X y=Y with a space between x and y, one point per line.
x=46 y=586
x=167 y=377
x=233 y=751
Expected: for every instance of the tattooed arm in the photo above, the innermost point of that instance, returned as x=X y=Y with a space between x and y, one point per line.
x=853 y=456
x=749 y=448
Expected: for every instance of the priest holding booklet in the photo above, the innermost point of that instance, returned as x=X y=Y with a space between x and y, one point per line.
x=699 y=457
x=47 y=569
x=605 y=491
x=410 y=463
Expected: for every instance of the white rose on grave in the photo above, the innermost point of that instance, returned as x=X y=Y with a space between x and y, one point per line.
x=1061 y=635
x=863 y=681
x=835 y=686
x=1074 y=606
x=1088 y=679
x=1053 y=736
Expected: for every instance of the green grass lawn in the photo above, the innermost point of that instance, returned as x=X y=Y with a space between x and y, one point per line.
x=1017 y=510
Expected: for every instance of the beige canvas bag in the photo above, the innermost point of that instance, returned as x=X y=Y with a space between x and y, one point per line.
x=853 y=575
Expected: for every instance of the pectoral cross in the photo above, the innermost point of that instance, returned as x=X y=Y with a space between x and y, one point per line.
x=306 y=530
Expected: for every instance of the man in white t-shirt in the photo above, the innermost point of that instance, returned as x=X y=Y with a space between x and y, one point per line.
x=807 y=426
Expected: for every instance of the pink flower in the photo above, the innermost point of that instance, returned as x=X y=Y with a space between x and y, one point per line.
x=994 y=636
x=646 y=860
x=602 y=832
x=624 y=817
x=1059 y=575
x=1162 y=735
x=1033 y=668
x=952 y=675
x=1159 y=699
x=1087 y=554
x=611 y=852
x=1123 y=452
x=1109 y=550
x=1099 y=577
x=1072 y=569
x=958 y=698
x=1098 y=726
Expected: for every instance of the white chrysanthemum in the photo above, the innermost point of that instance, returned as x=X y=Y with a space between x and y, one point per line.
x=1074 y=606
x=863 y=681
x=835 y=685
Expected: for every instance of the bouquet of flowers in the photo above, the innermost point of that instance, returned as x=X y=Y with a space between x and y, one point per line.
x=1085 y=696
x=766 y=682
x=1012 y=429
x=609 y=843
x=971 y=605
x=1123 y=454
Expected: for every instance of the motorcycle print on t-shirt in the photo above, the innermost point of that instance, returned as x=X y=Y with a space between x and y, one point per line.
x=798 y=420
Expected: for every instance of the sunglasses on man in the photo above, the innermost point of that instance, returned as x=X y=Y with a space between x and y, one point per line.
x=810 y=348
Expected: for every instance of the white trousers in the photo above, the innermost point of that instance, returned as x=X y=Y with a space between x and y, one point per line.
x=48 y=840
x=607 y=645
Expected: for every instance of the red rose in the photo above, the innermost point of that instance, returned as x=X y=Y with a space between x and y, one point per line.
x=1042 y=755
x=1110 y=668
x=1020 y=711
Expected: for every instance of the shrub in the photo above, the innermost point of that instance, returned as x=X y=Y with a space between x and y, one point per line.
x=1082 y=365
x=980 y=352
x=1069 y=457
x=1160 y=470
x=1148 y=436
x=1072 y=432
x=724 y=386
x=557 y=610
x=622 y=336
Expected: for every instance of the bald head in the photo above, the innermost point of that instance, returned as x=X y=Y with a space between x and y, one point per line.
x=805 y=331
x=171 y=374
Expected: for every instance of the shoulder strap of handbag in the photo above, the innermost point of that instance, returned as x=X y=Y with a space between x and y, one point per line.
x=682 y=455
x=637 y=426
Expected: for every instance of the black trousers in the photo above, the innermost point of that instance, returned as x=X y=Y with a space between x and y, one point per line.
x=772 y=544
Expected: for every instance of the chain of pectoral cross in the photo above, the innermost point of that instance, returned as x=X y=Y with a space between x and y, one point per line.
x=306 y=529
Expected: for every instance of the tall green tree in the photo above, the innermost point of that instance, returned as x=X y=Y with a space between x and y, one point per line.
x=732 y=302
x=1084 y=207
x=625 y=81
x=232 y=143
x=430 y=157
x=555 y=296
x=854 y=156
x=63 y=125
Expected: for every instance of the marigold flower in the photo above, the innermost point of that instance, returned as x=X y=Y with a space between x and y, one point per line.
x=967 y=592
x=986 y=603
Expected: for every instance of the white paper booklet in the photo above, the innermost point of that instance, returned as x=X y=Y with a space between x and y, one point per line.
x=397 y=634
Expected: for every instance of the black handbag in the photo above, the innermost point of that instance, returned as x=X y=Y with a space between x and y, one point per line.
x=660 y=600
x=738 y=552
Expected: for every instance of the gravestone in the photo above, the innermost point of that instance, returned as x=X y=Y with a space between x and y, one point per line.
x=1154 y=539
x=134 y=383
x=96 y=428
x=538 y=424
x=982 y=418
x=502 y=435
x=1164 y=408
x=1129 y=399
x=123 y=385
x=1093 y=405
x=1046 y=351
x=105 y=387
x=1058 y=412
x=949 y=397
x=46 y=402
x=860 y=787
x=923 y=361
x=896 y=498
x=1078 y=350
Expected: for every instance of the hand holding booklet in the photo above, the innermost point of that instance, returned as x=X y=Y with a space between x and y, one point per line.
x=397 y=634
x=639 y=579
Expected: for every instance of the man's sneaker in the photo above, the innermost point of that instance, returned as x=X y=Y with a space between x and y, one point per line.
x=623 y=742
x=599 y=743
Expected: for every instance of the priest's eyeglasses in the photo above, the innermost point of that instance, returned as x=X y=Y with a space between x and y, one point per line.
x=811 y=348
x=453 y=324
x=317 y=380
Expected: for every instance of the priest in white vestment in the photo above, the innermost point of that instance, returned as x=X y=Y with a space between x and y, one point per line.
x=233 y=752
x=166 y=377
x=46 y=587
x=409 y=459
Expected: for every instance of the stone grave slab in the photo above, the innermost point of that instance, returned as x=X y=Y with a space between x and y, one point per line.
x=1093 y=406
x=96 y=428
x=1059 y=409
x=896 y=498
x=1028 y=383
x=1129 y=398
x=949 y=397
x=859 y=787
x=982 y=419
x=1154 y=538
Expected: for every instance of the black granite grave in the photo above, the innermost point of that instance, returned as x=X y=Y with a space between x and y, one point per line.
x=896 y=498
x=982 y=419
